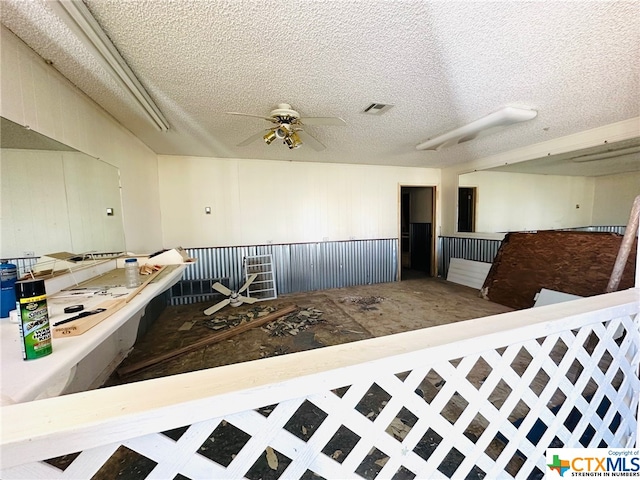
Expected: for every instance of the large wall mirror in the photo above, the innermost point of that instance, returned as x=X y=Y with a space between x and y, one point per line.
x=55 y=198
x=585 y=188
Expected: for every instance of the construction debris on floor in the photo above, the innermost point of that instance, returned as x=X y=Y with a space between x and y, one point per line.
x=226 y=334
x=221 y=321
x=366 y=303
x=293 y=323
x=321 y=318
x=290 y=324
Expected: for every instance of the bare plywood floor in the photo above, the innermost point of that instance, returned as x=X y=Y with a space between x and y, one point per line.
x=348 y=314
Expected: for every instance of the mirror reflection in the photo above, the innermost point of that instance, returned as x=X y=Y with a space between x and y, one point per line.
x=55 y=198
x=584 y=188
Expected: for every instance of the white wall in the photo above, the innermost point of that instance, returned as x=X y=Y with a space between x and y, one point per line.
x=508 y=202
x=33 y=93
x=256 y=202
x=613 y=197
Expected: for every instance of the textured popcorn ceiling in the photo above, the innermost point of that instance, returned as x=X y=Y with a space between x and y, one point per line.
x=441 y=64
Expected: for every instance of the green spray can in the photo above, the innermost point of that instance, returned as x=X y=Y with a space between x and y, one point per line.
x=31 y=303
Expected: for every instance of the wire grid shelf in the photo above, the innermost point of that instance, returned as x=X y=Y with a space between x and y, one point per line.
x=264 y=285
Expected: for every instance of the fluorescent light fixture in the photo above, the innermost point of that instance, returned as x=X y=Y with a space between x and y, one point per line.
x=502 y=118
x=78 y=17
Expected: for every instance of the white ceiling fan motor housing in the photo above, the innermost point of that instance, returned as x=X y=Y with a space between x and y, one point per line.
x=285 y=112
x=234 y=300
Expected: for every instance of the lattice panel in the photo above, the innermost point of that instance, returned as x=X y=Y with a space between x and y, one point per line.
x=489 y=415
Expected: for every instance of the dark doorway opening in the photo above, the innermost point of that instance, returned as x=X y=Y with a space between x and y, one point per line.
x=416 y=232
x=467 y=209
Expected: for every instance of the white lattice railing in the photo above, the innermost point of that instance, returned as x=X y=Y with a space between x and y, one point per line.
x=481 y=398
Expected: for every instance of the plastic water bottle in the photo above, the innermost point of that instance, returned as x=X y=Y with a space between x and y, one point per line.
x=132 y=273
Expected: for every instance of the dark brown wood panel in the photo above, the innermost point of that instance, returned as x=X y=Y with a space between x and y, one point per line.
x=579 y=263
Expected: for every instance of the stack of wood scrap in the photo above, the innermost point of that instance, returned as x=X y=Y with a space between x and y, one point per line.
x=147 y=269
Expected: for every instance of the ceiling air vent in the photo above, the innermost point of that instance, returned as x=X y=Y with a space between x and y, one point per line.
x=377 y=108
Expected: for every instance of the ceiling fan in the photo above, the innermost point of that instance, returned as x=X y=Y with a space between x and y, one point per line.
x=288 y=127
x=234 y=298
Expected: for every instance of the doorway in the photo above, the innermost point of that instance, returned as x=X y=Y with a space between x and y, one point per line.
x=466 y=209
x=416 y=232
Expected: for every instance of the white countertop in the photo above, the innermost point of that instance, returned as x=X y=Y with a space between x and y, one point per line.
x=26 y=380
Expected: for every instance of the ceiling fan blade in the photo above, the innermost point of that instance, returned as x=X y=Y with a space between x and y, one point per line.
x=268 y=119
x=329 y=121
x=252 y=138
x=307 y=139
x=247 y=299
x=217 y=306
x=248 y=282
x=221 y=288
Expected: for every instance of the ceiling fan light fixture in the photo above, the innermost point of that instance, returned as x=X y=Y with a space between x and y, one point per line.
x=281 y=132
x=270 y=136
x=502 y=118
x=293 y=141
x=288 y=126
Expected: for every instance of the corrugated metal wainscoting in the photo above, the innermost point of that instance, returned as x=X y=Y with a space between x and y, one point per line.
x=478 y=249
x=620 y=229
x=299 y=267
